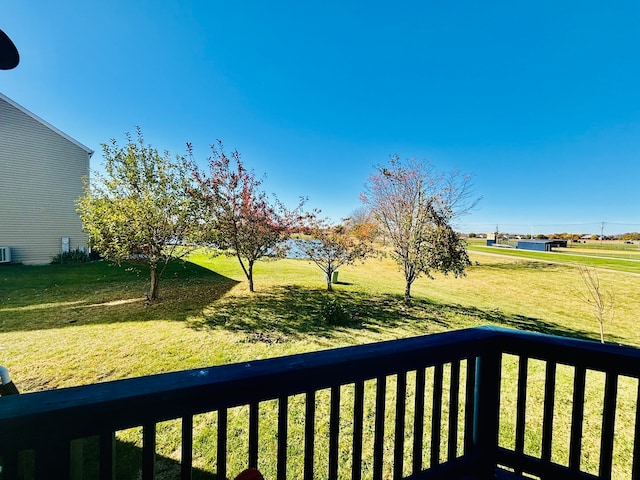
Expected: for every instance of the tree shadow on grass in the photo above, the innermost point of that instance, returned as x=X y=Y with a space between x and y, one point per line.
x=523 y=265
x=496 y=317
x=100 y=293
x=293 y=312
x=128 y=462
x=129 y=465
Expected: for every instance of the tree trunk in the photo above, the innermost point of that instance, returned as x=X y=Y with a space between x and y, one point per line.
x=409 y=276
x=328 y=276
x=250 y=277
x=407 y=294
x=154 y=282
x=601 y=321
x=248 y=270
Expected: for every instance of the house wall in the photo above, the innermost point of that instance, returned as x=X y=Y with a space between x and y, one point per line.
x=41 y=172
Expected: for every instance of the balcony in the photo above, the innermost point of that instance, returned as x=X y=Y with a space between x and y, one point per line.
x=452 y=405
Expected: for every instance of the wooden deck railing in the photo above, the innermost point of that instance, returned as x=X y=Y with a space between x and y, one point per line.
x=450 y=405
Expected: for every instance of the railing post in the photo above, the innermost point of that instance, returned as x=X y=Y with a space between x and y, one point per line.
x=487 y=412
x=149 y=451
x=107 y=456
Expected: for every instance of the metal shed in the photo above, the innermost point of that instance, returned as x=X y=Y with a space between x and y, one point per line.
x=540 y=245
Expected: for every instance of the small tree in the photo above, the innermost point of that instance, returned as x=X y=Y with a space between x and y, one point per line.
x=415 y=206
x=597 y=297
x=139 y=211
x=362 y=225
x=332 y=246
x=236 y=216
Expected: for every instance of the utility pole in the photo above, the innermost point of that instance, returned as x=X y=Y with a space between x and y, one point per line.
x=601 y=232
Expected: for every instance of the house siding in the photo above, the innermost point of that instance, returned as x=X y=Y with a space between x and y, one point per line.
x=41 y=173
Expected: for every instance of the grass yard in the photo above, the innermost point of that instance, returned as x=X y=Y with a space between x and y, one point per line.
x=605 y=259
x=65 y=325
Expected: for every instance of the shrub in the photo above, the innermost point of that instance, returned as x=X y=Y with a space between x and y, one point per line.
x=94 y=255
x=72 y=256
x=333 y=313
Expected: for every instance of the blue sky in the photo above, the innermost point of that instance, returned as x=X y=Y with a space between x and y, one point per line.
x=539 y=100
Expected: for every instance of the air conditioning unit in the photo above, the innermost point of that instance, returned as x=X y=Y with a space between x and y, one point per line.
x=5 y=254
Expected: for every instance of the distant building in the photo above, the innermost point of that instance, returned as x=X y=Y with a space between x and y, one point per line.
x=540 y=245
x=41 y=171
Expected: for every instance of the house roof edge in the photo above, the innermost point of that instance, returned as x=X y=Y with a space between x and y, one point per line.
x=46 y=124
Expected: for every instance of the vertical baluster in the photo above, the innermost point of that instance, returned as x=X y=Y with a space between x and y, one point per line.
x=454 y=394
x=418 y=422
x=358 y=419
x=398 y=451
x=487 y=411
x=575 y=446
x=436 y=415
x=186 y=458
x=283 y=417
x=221 y=453
x=469 y=405
x=547 y=416
x=149 y=451
x=521 y=406
x=378 y=440
x=10 y=461
x=309 y=434
x=107 y=460
x=334 y=432
x=253 y=435
x=54 y=461
x=635 y=472
x=608 y=424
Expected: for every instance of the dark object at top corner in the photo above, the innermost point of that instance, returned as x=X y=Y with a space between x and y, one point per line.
x=9 y=57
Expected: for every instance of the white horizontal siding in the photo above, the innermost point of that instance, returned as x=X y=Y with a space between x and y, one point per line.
x=40 y=180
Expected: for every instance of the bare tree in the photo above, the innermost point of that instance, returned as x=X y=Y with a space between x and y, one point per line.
x=596 y=296
x=415 y=206
x=362 y=224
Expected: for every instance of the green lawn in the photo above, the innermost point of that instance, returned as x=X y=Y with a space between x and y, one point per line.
x=597 y=258
x=64 y=325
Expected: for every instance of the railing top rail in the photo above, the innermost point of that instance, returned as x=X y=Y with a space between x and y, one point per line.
x=590 y=354
x=89 y=409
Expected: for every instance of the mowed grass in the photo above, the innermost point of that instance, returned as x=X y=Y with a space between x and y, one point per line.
x=65 y=325
x=605 y=259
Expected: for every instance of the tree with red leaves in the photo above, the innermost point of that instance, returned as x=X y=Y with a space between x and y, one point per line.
x=236 y=215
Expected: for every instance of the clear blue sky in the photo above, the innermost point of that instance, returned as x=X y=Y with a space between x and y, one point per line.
x=539 y=100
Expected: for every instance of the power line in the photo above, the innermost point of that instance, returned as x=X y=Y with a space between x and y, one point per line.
x=576 y=226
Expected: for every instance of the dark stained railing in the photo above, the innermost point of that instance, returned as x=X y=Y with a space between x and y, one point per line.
x=579 y=359
x=450 y=405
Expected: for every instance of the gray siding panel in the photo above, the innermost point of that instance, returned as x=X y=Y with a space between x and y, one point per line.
x=40 y=180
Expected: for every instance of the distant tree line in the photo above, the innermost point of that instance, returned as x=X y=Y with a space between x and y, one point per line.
x=149 y=208
x=572 y=237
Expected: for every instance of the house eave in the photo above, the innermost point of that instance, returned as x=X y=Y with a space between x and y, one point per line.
x=47 y=124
